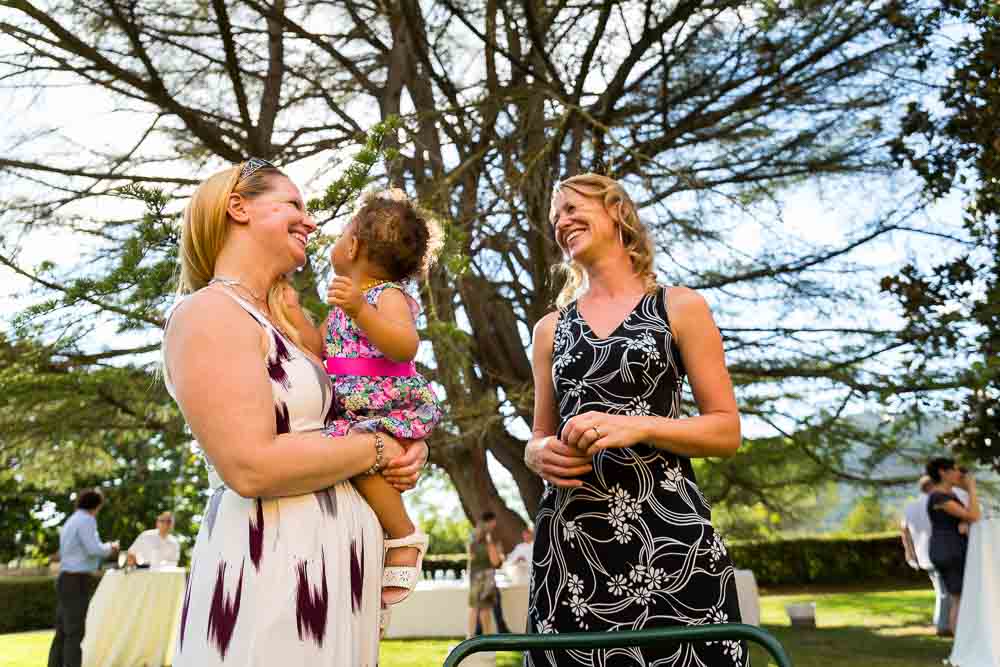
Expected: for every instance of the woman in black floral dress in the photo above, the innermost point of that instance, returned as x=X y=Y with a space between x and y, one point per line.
x=624 y=535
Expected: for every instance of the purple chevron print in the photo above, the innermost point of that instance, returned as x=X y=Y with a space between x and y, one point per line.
x=281 y=418
x=224 y=612
x=213 y=509
x=256 y=535
x=310 y=604
x=275 y=369
x=332 y=413
x=327 y=499
x=187 y=603
x=357 y=575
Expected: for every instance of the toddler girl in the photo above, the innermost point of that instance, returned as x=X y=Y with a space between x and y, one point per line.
x=370 y=340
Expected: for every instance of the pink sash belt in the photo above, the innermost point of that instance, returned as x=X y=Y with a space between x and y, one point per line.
x=362 y=366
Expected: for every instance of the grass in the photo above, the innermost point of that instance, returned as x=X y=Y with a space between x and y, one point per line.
x=872 y=628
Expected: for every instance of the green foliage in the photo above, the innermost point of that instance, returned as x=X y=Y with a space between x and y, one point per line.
x=769 y=488
x=830 y=561
x=447 y=535
x=955 y=306
x=357 y=176
x=28 y=603
x=868 y=516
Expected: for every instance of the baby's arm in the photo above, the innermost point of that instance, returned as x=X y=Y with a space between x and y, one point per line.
x=390 y=327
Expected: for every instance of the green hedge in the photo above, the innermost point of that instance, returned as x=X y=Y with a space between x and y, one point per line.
x=825 y=560
x=817 y=560
x=27 y=603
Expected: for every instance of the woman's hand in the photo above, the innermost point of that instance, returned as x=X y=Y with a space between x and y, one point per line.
x=403 y=470
x=555 y=462
x=966 y=481
x=591 y=432
x=963 y=528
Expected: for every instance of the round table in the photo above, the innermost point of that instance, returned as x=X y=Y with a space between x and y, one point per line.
x=977 y=642
x=133 y=618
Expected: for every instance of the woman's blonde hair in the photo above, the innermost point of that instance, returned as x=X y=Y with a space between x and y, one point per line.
x=206 y=227
x=633 y=234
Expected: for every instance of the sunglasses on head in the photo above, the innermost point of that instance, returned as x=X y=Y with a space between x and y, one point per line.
x=252 y=165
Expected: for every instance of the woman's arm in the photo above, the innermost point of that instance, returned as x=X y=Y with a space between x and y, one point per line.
x=549 y=458
x=716 y=429
x=491 y=549
x=390 y=327
x=312 y=336
x=214 y=356
x=971 y=513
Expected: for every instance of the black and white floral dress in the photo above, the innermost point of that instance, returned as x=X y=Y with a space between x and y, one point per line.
x=634 y=546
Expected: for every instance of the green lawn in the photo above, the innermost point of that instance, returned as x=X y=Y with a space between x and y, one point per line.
x=876 y=629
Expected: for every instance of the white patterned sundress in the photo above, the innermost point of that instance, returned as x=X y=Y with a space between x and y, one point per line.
x=634 y=546
x=284 y=581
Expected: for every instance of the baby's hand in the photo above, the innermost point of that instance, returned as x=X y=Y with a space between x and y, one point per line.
x=344 y=294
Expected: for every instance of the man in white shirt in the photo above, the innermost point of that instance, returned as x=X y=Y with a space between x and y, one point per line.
x=156 y=546
x=522 y=552
x=915 y=531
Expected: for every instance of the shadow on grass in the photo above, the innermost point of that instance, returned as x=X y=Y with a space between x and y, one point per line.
x=886 y=646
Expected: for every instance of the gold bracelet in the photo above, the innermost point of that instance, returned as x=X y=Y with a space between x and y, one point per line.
x=379 y=448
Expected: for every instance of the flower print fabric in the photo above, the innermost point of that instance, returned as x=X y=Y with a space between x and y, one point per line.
x=403 y=407
x=634 y=546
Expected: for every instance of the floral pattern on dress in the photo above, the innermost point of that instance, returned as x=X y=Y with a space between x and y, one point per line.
x=403 y=407
x=634 y=546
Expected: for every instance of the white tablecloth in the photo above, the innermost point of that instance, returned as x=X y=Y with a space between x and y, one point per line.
x=441 y=608
x=133 y=619
x=977 y=642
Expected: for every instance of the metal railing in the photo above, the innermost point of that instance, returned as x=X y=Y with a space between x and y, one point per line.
x=593 y=640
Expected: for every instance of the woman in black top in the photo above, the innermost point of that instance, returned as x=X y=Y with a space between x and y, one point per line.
x=950 y=521
x=624 y=536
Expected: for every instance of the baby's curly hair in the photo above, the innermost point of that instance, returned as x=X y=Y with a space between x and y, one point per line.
x=397 y=235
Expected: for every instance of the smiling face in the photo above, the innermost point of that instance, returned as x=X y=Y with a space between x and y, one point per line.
x=277 y=220
x=583 y=227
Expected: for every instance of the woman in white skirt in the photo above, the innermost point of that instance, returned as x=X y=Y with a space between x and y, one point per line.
x=287 y=567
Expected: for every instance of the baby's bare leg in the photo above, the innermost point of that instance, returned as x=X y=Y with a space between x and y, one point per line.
x=387 y=504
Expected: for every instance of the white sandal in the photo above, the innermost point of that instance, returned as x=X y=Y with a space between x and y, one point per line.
x=400 y=576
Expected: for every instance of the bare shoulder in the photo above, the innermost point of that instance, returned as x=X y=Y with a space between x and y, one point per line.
x=206 y=309
x=685 y=300
x=209 y=317
x=688 y=311
x=545 y=327
x=394 y=298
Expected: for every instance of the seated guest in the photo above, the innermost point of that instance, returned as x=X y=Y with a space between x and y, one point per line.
x=156 y=546
x=522 y=552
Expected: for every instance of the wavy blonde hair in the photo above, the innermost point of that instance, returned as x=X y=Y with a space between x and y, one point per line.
x=634 y=235
x=206 y=227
